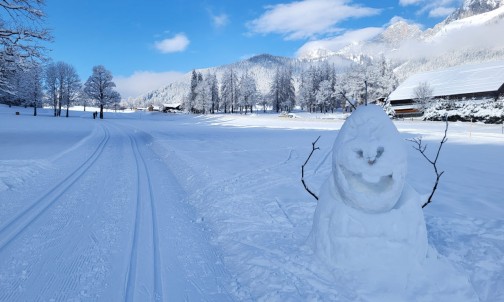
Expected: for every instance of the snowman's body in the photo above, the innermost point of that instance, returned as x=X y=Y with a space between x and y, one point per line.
x=354 y=240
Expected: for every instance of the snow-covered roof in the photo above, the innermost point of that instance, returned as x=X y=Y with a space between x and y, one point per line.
x=462 y=79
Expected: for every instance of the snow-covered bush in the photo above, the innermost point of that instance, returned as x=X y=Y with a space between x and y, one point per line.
x=487 y=111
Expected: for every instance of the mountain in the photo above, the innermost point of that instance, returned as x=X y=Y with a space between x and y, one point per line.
x=471 y=33
x=474 y=7
x=263 y=67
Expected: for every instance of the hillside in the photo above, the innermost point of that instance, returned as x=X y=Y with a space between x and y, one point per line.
x=262 y=67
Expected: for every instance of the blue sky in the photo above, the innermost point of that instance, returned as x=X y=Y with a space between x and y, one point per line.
x=148 y=43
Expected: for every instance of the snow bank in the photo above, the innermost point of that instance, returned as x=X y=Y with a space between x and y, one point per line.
x=369 y=223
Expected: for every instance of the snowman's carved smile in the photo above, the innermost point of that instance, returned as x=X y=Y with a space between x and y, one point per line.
x=368 y=183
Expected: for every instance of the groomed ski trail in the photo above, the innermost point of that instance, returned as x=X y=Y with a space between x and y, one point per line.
x=113 y=225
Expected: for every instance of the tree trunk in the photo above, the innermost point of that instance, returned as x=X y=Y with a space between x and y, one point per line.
x=101 y=111
x=35 y=109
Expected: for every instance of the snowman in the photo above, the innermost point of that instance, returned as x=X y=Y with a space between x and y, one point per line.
x=369 y=223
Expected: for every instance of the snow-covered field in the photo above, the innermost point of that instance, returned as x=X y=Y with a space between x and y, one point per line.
x=151 y=206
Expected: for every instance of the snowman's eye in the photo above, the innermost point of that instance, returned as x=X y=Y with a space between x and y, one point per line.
x=379 y=152
x=360 y=153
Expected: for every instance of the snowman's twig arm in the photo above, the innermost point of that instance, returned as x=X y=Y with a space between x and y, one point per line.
x=419 y=147
x=302 y=169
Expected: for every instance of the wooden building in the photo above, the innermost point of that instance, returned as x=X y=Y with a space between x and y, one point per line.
x=482 y=80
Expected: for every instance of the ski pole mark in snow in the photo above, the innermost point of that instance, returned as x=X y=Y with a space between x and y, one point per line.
x=11 y=229
x=144 y=200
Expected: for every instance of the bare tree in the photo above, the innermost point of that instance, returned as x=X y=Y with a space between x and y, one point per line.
x=100 y=87
x=422 y=95
x=62 y=85
x=71 y=85
x=51 y=85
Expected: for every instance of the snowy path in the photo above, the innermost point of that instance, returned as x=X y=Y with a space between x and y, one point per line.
x=110 y=224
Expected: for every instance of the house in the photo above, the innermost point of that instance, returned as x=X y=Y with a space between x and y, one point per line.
x=171 y=107
x=482 y=80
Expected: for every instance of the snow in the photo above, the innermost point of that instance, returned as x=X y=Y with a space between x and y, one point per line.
x=462 y=79
x=147 y=205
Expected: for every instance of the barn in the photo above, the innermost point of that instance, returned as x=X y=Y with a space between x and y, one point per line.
x=482 y=80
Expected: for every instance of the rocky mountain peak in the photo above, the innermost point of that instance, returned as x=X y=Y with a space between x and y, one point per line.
x=399 y=32
x=474 y=7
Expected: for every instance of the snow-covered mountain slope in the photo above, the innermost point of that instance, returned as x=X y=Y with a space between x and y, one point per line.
x=474 y=7
x=263 y=67
x=485 y=19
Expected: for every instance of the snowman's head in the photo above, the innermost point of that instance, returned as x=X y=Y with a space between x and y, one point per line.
x=369 y=161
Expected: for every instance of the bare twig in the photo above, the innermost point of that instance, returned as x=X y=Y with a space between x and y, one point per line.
x=302 y=169
x=421 y=148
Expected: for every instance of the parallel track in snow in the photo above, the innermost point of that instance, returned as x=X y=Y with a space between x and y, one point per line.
x=20 y=222
x=145 y=235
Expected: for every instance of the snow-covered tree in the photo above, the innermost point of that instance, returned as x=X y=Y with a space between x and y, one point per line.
x=203 y=95
x=190 y=101
x=282 y=92
x=385 y=78
x=100 y=88
x=229 y=90
x=324 y=95
x=422 y=95
x=62 y=85
x=367 y=81
x=51 y=85
x=84 y=100
x=29 y=87
x=21 y=35
x=214 y=88
x=70 y=84
x=306 y=94
x=317 y=88
x=262 y=100
x=247 y=95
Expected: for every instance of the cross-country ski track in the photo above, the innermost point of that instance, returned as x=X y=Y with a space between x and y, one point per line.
x=83 y=235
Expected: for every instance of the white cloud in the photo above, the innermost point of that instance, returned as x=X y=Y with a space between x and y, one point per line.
x=141 y=82
x=307 y=18
x=439 y=8
x=440 y=12
x=397 y=19
x=409 y=2
x=219 y=21
x=338 y=42
x=176 y=44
